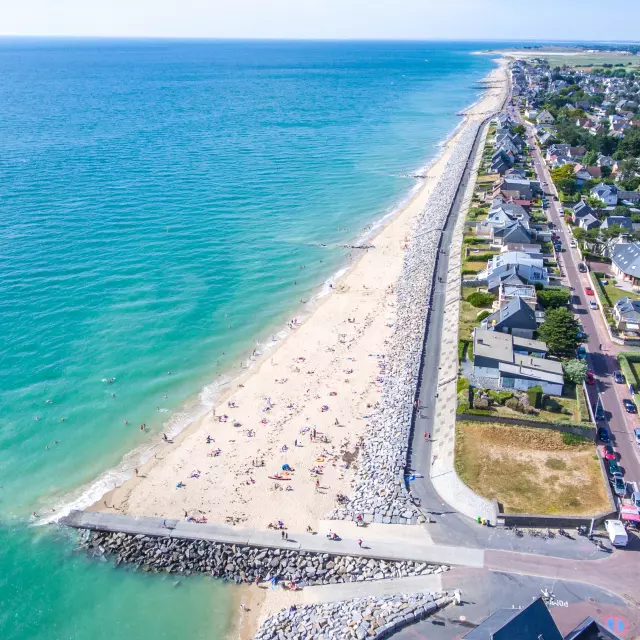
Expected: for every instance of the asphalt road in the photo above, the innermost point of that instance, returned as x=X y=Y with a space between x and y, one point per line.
x=600 y=358
x=483 y=592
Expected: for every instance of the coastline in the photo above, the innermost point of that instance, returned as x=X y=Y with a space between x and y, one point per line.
x=153 y=491
x=110 y=484
x=365 y=286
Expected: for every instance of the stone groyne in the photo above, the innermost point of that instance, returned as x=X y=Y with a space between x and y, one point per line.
x=352 y=619
x=380 y=493
x=245 y=564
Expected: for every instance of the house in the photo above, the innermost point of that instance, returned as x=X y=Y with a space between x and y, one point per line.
x=546 y=137
x=606 y=193
x=531 y=114
x=525 y=292
x=517 y=363
x=508 y=276
x=517 y=188
x=576 y=152
x=581 y=210
x=515 y=317
x=529 y=268
x=589 y=222
x=544 y=117
x=627 y=314
x=594 y=172
x=501 y=161
x=617 y=221
x=514 y=232
x=605 y=161
x=632 y=197
x=534 y=622
x=581 y=174
x=625 y=261
x=557 y=150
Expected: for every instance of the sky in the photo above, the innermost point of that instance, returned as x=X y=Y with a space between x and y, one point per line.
x=333 y=19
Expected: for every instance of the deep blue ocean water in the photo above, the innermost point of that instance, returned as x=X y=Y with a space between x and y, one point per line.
x=157 y=200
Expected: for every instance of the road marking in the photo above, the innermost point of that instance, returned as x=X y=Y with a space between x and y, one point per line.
x=617 y=625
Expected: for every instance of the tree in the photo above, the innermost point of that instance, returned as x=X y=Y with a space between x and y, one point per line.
x=553 y=297
x=519 y=130
x=564 y=172
x=480 y=299
x=560 y=331
x=575 y=371
x=590 y=158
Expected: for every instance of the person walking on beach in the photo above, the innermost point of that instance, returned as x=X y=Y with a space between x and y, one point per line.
x=360 y=542
x=317 y=485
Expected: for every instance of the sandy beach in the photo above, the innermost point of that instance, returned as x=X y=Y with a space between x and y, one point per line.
x=303 y=406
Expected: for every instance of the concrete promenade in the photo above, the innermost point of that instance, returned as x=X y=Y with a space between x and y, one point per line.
x=314 y=543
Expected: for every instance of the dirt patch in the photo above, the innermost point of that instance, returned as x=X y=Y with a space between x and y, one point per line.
x=530 y=470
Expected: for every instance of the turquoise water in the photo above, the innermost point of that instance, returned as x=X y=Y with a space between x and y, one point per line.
x=157 y=202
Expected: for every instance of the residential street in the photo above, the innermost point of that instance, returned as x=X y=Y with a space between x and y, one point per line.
x=601 y=351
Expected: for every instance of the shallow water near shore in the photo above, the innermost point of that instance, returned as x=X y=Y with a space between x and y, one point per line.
x=157 y=204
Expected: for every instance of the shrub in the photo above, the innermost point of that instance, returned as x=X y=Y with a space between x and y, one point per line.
x=480 y=257
x=470 y=272
x=480 y=299
x=482 y=315
x=462 y=384
x=499 y=397
x=574 y=440
x=512 y=403
x=538 y=286
x=480 y=402
x=534 y=396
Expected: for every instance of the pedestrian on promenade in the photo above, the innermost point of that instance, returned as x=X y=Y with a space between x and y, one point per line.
x=282 y=535
x=425 y=436
x=360 y=542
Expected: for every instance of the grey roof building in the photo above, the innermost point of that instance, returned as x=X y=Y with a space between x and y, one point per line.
x=581 y=210
x=534 y=622
x=626 y=260
x=515 y=317
x=617 y=221
x=512 y=233
x=518 y=363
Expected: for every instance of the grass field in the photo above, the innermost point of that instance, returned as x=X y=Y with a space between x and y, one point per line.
x=573 y=58
x=468 y=314
x=530 y=470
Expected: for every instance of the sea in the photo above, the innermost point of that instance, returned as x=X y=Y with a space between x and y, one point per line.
x=164 y=206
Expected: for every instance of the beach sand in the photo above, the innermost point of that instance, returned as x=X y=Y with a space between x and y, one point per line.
x=331 y=360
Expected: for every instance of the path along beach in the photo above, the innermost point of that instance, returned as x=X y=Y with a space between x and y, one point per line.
x=324 y=379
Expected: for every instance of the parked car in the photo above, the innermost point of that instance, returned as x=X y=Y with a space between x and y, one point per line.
x=614 y=468
x=581 y=352
x=593 y=305
x=629 y=406
x=608 y=453
x=582 y=268
x=636 y=433
x=550 y=224
x=603 y=435
x=590 y=378
x=573 y=244
x=619 y=486
x=618 y=377
x=555 y=198
x=588 y=291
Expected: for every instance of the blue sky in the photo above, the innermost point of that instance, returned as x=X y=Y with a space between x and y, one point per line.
x=403 y=19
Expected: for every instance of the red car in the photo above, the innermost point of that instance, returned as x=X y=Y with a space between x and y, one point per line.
x=589 y=379
x=608 y=453
x=588 y=291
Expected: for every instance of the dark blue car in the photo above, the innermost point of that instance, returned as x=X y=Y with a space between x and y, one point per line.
x=603 y=434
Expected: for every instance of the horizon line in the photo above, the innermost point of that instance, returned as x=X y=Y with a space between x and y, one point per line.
x=302 y=39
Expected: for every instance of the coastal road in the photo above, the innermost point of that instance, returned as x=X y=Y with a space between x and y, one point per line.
x=601 y=351
x=483 y=592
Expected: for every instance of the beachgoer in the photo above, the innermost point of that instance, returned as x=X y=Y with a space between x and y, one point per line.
x=360 y=542
x=283 y=535
x=136 y=471
x=317 y=485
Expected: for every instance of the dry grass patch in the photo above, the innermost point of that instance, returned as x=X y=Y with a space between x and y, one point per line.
x=530 y=470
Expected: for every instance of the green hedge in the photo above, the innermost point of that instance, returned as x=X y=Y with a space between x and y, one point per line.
x=480 y=257
x=534 y=395
x=602 y=292
x=480 y=299
x=470 y=272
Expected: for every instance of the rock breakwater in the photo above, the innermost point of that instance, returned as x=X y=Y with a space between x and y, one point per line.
x=352 y=619
x=244 y=564
x=380 y=493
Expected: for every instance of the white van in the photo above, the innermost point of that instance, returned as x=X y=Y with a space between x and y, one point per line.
x=617 y=533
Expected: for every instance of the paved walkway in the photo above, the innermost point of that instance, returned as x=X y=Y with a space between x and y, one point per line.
x=442 y=471
x=315 y=543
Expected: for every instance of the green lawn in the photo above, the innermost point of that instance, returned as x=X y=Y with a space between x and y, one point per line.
x=616 y=294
